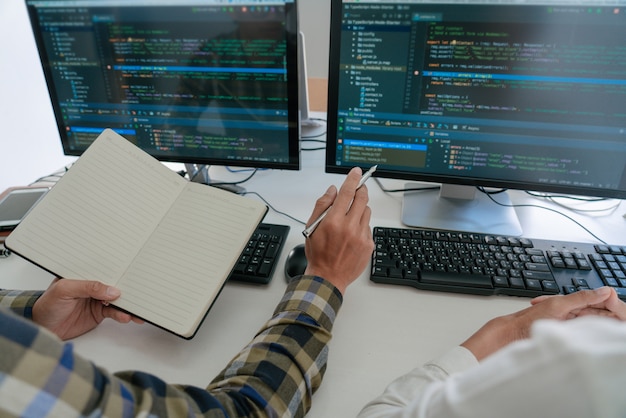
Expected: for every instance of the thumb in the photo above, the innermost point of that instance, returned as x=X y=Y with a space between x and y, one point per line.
x=581 y=298
x=587 y=298
x=592 y=297
x=92 y=289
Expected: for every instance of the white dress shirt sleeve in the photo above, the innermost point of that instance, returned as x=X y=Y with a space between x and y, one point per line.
x=566 y=369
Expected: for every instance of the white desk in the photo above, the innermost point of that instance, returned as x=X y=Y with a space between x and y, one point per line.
x=382 y=330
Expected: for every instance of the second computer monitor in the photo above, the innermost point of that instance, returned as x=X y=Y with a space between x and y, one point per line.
x=526 y=94
x=202 y=82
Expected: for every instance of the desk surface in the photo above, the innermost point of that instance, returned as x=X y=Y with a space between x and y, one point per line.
x=382 y=330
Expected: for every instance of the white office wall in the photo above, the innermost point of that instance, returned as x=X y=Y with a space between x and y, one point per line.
x=315 y=24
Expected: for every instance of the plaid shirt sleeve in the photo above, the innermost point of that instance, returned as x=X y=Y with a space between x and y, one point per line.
x=20 y=302
x=274 y=375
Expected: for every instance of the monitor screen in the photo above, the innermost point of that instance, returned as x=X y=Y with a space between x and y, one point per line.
x=524 y=94
x=193 y=81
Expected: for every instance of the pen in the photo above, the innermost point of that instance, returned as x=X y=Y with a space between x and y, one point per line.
x=309 y=230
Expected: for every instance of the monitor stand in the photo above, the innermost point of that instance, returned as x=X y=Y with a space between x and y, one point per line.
x=199 y=173
x=459 y=208
x=309 y=127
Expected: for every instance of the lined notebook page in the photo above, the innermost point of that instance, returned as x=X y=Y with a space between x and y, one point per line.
x=93 y=222
x=121 y=217
x=182 y=268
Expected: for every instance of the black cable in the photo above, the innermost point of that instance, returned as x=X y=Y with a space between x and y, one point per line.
x=491 y=192
x=308 y=137
x=318 y=119
x=274 y=209
x=313 y=139
x=552 y=197
x=234 y=183
x=489 y=195
x=244 y=170
x=192 y=176
x=229 y=183
x=556 y=196
x=316 y=135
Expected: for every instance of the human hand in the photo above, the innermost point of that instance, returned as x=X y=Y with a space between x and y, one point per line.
x=503 y=330
x=342 y=244
x=612 y=306
x=70 y=308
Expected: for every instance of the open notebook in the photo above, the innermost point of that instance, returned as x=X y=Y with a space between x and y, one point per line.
x=121 y=217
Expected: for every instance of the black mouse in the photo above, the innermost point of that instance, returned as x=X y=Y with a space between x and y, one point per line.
x=295 y=264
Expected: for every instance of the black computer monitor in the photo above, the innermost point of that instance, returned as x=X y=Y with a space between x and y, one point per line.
x=195 y=81
x=524 y=94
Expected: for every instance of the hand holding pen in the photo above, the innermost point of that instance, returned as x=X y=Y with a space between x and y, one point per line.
x=342 y=245
x=311 y=228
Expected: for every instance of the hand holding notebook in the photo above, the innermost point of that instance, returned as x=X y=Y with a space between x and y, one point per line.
x=121 y=217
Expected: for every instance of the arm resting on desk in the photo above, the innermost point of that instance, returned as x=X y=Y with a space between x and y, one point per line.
x=565 y=369
x=275 y=375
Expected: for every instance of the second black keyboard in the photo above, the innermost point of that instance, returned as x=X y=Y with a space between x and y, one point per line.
x=258 y=260
x=484 y=264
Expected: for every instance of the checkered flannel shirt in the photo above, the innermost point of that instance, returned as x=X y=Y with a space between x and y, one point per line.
x=275 y=375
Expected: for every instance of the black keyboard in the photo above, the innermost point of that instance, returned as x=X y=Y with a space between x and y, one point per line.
x=258 y=260
x=482 y=264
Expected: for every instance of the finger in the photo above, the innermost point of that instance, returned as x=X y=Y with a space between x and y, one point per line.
x=354 y=218
x=347 y=191
x=101 y=291
x=117 y=315
x=361 y=199
x=596 y=312
x=615 y=305
x=542 y=298
x=585 y=298
x=366 y=218
x=120 y=316
x=87 y=289
x=323 y=203
x=581 y=297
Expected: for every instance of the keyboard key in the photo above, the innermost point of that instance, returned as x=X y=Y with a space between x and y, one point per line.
x=580 y=283
x=501 y=281
x=537 y=266
x=533 y=284
x=517 y=283
x=450 y=279
x=537 y=275
x=550 y=286
x=569 y=289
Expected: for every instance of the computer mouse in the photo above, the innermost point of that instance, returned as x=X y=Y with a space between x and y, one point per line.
x=296 y=263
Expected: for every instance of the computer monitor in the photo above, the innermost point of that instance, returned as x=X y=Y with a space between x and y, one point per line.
x=202 y=82
x=520 y=94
